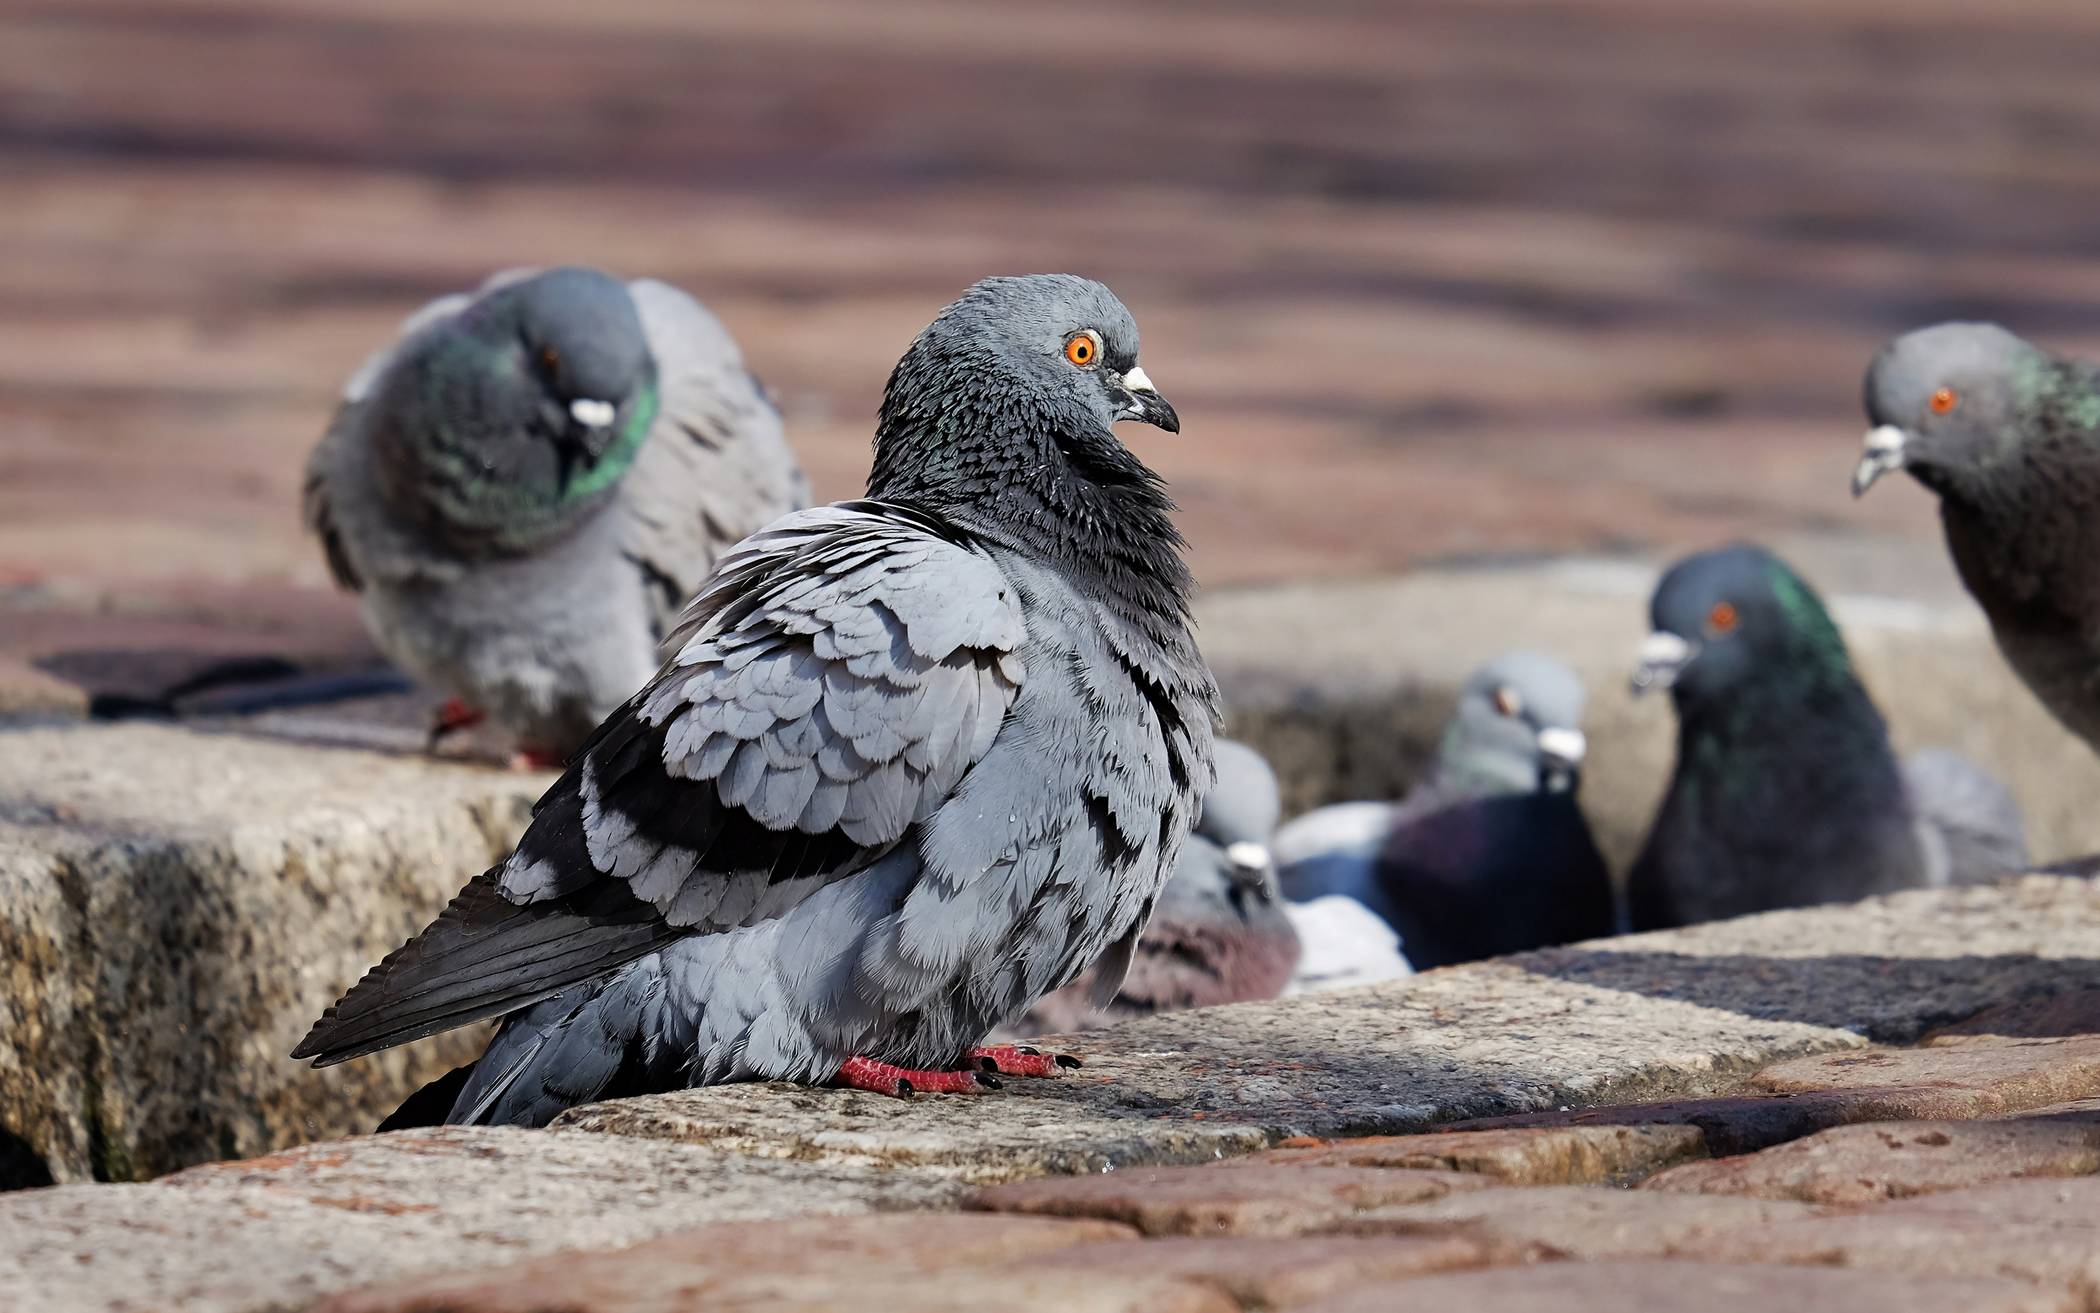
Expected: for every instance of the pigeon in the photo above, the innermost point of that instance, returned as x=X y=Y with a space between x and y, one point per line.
x=1490 y=854
x=525 y=487
x=1786 y=792
x=1220 y=934
x=915 y=761
x=2008 y=436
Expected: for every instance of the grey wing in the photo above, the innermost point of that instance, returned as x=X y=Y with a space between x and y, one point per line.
x=716 y=467
x=832 y=686
x=1969 y=823
x=1055 y=846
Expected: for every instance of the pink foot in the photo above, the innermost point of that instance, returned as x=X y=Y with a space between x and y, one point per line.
x=1021 y=1060
x=451 y=718
x=535 y=759
x=902 y=1082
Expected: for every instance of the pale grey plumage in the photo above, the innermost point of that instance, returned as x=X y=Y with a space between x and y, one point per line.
x=549 y=631
x=1968 y=822
x=1221 y=933
x=914 y=762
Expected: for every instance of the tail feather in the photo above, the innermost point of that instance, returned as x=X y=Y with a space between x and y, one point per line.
x=483 y=957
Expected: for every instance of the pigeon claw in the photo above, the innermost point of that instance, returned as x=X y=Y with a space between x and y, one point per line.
x=451 y=718
x=903 y=1082
x=1021 y=1060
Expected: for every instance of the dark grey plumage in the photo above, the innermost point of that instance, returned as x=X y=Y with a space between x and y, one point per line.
x=1786 y=791
x=1220 y=933
x=2008 y=436
x=525 y=487
x=1490 y=854
x=917 y=760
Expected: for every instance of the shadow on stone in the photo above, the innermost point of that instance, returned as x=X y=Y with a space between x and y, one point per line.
x=1887 y=999
x=21 y=1167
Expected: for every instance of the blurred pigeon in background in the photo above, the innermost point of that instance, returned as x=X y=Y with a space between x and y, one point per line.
x=527 y=485
x=1221 y=933
x=1786 y=792
x=1490 y=853
x=2008 y=436
x=917 y=761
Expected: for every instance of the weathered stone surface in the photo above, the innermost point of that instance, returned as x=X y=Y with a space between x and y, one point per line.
x=1980 y=1077
x=1734 y=1125
x=1274 y=1271
x=177 y=907
x=1237 y=1198
x=1889 y=1160
x=1564 y=1155
x=1687 y=1012
x=2037 y=1230
x=918 y=1260
x=1524 y=1224
x=1637 y=1287
x=276 y=1232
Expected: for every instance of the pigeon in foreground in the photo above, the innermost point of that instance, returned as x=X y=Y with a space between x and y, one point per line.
x=527 y=485
x=1786 y=791
x=918 y=760
x=1490 y=854
x=1221 y=934
x=2008 y=436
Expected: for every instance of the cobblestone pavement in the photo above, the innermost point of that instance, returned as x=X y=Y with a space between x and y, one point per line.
x=1702 y=1119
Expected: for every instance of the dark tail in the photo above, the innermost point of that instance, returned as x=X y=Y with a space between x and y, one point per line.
x=431 y=1105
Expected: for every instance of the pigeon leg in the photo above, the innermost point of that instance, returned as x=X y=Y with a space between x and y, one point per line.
x=1021 y=1060
x=536 y=759
x=902 y=1082
x=451 y=718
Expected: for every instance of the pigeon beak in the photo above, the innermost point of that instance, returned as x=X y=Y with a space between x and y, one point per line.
x=1141 y=401
x=592 y=427
x=1561 y=750
x=1884 y=452
x=1663 y=657
x=1251 y=865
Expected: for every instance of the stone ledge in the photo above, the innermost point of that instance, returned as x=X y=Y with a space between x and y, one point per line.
x=1680 y=1013
x=279 y=1231
x=436 y=1215
x=176 y=907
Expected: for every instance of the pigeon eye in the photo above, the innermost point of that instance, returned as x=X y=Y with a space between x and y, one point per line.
x=1944 y=400
x=1083 y=349
x=1722 y=619
x=550 y=359
x=1508 y=702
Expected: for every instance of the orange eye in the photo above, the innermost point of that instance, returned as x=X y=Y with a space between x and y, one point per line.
x=550 y=359
x=1944 y=400
x=1507 y=702
x=1082 y=349
x=1722 y=619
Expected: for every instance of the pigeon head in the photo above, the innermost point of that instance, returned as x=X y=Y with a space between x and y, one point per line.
x=1947 y=404
x=1244 y=805
x=1517 y=728
x=1010 y=396
x=1737 y=620
x=505 y=419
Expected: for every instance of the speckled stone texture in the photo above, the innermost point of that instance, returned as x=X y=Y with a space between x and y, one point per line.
x=176 y=908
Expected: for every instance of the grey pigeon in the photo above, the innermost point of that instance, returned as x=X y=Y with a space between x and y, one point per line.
x=525 y=487
x=2008 y=436
x=1490 y=853
x=1786 y=791
x=1221 y=933
x=917 y=761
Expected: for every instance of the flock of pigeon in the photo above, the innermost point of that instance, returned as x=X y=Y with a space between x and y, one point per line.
x=868 y=793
